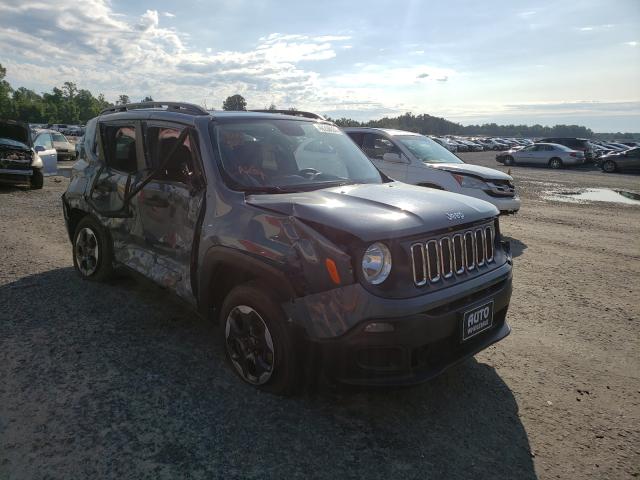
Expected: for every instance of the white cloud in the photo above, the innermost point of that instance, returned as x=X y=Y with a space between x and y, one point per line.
x=168 y=14
x=632 y=44
x=116 y=54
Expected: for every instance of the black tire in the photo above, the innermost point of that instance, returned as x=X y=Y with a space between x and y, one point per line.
x=508 y=160
x=95 y=243
x=37 y=179
x=555 y=163
x=609 y=166
x=282 y=378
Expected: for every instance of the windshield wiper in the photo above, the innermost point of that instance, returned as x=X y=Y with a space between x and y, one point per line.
x=256 y=189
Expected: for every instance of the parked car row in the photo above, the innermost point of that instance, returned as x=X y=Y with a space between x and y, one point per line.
x=479 y=144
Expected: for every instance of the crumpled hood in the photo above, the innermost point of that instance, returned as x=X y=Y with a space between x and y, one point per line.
x=379 y=211
x=483 y=172
x=18 y=131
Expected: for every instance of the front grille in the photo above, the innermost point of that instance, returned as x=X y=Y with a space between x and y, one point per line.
x=453 y=255
x=501 y=188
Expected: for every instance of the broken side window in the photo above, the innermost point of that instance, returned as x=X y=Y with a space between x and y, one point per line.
x=160 y=142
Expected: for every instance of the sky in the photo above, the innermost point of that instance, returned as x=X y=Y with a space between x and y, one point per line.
x=503 y=61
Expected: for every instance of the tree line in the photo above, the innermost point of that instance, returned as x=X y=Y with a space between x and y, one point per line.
x=68 y=104
x=430 y=125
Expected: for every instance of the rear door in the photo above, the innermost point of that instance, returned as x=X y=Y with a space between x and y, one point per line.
x=630 y=160
x=121 y=154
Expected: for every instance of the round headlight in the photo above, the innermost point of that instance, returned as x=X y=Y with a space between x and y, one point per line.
x=376 y=263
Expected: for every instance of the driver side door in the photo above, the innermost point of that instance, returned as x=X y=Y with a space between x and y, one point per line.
x=43 y=145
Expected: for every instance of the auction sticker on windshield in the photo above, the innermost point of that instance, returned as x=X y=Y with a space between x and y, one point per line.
x=326 y=128
x=477 y=320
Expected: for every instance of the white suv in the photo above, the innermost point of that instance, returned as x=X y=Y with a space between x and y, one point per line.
x=413 y=158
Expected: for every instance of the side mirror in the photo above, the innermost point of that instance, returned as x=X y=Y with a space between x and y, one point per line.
x=39 y=148
x=392 y=157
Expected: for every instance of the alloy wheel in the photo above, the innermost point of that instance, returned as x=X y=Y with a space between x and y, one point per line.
x=249 y=345
x=555 y=163
x=609 y=166
x=87 y=251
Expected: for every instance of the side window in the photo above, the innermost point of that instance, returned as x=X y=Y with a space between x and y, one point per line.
x=549 y=148
x=375 y=146
x=160 y=143
x=356 y=137
x=43 y=140
x=119 y=143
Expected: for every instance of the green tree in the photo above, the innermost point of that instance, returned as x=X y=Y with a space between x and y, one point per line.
x=123 y=100
x=6 y=107
x=272 y=107
x=147 y=99
x=234 y=102
x=28 y=106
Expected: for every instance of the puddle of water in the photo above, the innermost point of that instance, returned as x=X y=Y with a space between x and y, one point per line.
x=595 y=195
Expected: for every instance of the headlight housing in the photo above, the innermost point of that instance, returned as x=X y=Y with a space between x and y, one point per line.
x=466 y=181
x=376 y=263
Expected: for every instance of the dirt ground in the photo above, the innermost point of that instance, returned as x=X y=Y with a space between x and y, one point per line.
x=120 y=381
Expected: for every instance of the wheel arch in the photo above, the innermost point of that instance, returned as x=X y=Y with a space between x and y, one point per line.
x=224 y=268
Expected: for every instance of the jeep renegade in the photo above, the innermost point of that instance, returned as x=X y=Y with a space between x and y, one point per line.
x=278 y=225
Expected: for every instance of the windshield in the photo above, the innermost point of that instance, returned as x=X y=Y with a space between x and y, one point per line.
x=288 y=155
x=426 y=150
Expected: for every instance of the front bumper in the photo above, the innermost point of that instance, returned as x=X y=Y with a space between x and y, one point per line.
x=505 y=203
x=10 y=176
x=426 y=338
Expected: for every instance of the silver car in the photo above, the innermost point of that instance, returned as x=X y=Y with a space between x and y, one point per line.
x=65 y=149
x=552 y=154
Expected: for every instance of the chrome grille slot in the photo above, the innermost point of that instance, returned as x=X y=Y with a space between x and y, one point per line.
x=446 y=258
x=490 y=238
x=458 y=254
x=453 y=255
x=469 y=251
x=418 y=262
x=480 y=247
x=433 y=261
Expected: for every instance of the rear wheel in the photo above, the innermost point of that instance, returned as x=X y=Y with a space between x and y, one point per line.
x=258 y=344
x=609 y=166
x=508 y=160
x=37 y=179
x=555 y=163
x=92 y=250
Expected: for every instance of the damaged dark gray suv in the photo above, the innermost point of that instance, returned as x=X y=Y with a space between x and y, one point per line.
x=280 y=227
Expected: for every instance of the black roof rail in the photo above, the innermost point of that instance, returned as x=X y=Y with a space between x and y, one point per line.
x=180 y=107
x=295 y=113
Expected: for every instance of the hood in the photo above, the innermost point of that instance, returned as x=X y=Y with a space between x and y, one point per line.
x=483 y=172
x=379 y=211
x=16 y=131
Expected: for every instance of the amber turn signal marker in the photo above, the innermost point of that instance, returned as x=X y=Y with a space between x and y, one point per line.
x=333 y=270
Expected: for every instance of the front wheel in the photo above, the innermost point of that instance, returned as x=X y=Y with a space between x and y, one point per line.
x=258 y=344
x=508 y=160
x=37 y=179
x=92 y=250
x=555 y=163
x=609 y=166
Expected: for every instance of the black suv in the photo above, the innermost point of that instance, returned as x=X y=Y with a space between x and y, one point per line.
x=280 y=227
x=579 y=144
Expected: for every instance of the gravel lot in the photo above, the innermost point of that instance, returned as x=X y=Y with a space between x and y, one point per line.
x=119 y=381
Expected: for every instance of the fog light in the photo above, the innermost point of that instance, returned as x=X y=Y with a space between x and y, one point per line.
x=379 y=327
